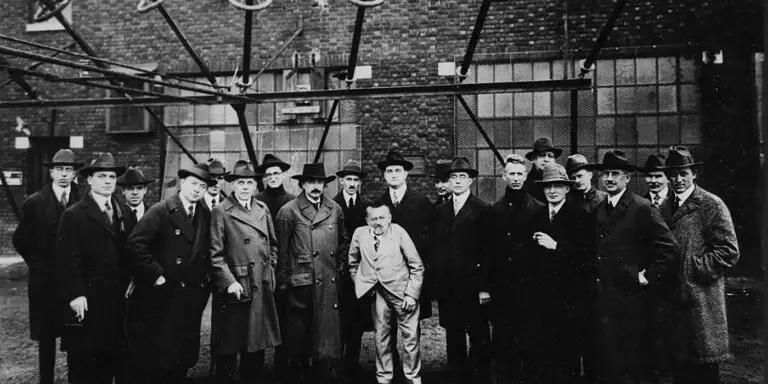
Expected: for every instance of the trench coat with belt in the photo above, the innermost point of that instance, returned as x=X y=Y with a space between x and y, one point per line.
x=164 y=321
x=35 y=240
x=311 y=260
x=243 y=250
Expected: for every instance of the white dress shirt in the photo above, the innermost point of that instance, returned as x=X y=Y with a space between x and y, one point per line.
x=459 y=200
x=209 y=199
x=662 y=194
x=348 y=196
x=101 y=202
x=396 y=194
x=681 y=198
x=555 y=208
x=245 y=204
x=58 y=190
x=614 y=200
x=139 y=209
x=187 y=205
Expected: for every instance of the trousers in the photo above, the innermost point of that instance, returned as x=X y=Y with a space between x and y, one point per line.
x=386 y=306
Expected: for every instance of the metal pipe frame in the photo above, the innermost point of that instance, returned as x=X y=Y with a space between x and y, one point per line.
x=325 y=130
x=480 y=128
x=479 y=22
x=319 y=95
x=17 y=77
x=35 y=65
x=281 y=50
x=606 y=30
x=246 y=83
x=185 y=42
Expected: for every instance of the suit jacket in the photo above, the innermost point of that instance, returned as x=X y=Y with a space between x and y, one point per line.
x=589 y=200
x=396 y=264
x=704 y=228
x=91 y=262
x=463 y=249
x=35 y=240
x=353 y=217
x=165 y=320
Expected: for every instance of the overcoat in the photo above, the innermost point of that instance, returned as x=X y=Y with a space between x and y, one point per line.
x=91 y=262
x=275 y=198
x=532 y=187
x=588 y=200
x=243 y=250
x=354 y=311
x=35 y=240
x=312 y=247
x=416 y=214
x=630 y=238
x=463 y=247
x=164 y=321
x=704 y=228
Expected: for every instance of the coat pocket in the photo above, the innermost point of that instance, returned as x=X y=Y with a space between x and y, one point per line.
x=242 y=274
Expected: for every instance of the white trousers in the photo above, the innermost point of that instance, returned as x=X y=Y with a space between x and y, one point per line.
x=385 y=306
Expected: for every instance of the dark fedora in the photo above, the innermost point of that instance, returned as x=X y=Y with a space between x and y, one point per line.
x=271 y=160
x=577 y=162
x=242 y=170
x=461 y=164
x=554 y=173
x=314 y=171
x=394 y=157
x=199 y=171
x=63 y=157
x=441 y=170
x=615 y=159
x=543 y=144
x=680 y=157
x=352 y=167
x=103 y=162
x=216 y=168
x=654 y=163
x=133 y=176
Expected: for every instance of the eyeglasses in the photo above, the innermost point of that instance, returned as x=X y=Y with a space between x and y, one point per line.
x=268 y=175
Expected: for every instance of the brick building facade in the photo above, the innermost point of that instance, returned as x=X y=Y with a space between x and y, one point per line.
x=650 y=88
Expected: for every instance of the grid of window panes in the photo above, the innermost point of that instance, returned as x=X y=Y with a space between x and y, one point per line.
x=640 y=105
x=213 y=131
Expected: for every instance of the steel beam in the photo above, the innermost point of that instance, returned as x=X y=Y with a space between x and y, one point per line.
x=280 y=51
x=17 y=76
x=479 y=22
x=480 y=129
x=240 y=108
x=9 y=195
x=35 y=65
x=574 y=121
x=605 y=30
x=185 y=42
x=326 y=129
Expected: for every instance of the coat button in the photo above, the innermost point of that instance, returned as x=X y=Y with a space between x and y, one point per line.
x=509 y=234
x=333 y=279
x=183 y=284
x=335 y=306
x=178 y=260
x=247 y=241
x=331 y=253
x=315 y=253
x=317 y=281
x=252 y=263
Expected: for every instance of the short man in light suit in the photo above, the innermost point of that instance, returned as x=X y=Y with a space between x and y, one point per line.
x=383 y=261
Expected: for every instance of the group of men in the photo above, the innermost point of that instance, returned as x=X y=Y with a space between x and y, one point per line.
x=577 y=284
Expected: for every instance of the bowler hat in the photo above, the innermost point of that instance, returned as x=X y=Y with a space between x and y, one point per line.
x=314 y=171
x=655 y=163
x=394 y=157
x=554 y=173
x=680 y=157
x=216 y=168
x=199 y=171
x=103 y=162
x=461 y=164
x=133 y=176
x=441 y=170
x=615 y=159
x=271 y=160
x=352 y=167
x=63 y=157
x=242 y=170
x=543 y=144
x=577 y=162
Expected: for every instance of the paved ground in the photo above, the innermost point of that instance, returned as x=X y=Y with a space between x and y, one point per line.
x=18 y=354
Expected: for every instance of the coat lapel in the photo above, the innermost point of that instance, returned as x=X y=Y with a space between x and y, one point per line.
x=690 y=205
x=179 y=217
x=203 y=227
x=464 y=212
x=618 y=212
x=253 y=219
x=94 y=212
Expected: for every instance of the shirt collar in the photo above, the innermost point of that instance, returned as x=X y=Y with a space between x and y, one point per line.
x=663 y=194
x=461 y=199
x=244 y=203
x=347 y=196
x=614 y=200
x=557 y=207
x=681 y=198
x=186 y=204
x=399 y=190
x=100 y=200
x=58 y=190
x=209 y=198
x=312 y=201
x=139 y=209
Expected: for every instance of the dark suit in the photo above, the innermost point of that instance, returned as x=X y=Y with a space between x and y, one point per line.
x=462 y=253
x=587 y=200
x=165 y=320
x=35 y=240
x=630 y=238
x=532 y=187
x=90 y=262
x=511 y=217
x=355 y=313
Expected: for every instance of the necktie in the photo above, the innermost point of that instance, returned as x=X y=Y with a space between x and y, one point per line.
x=456 y=207
x=191 y=213
x=63 y=199
x=108 y=210
x=135 y=212
x=395 y=199
x=610 y=207
x=552 y=214
x=213 y=202
x=351 y=203
x=675 y=203
x=656 y=200
x=376 y=243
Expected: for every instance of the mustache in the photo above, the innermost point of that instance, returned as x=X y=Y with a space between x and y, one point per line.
x=315 y=190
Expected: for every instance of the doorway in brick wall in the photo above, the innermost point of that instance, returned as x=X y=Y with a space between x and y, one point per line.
x=41 y=149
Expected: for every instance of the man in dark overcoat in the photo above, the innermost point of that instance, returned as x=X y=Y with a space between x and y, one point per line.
x=311 y=258
x=215 y=194
x=656 y=180
x=702 y=224
x=554 y=267
x=355 y=313
x=583 y=191
x=170 y=249
x=35 y=240
x=442 y=183
x=543 y=152
x=93 y=271
x=134 y=186
x=512 y=214
x=635 y=249
x=243 y=256
x=274 y=194
x=463 y=247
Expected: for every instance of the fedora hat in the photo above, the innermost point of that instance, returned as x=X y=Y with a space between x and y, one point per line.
x=615 y=159
x=216 y=168
x=577 y=162
x=271 y=160
x=554 y=173
x=103 y=162
x=199 y=171
x=63 y=157
x=680 y=157
x=441 y=170
x=654 y=163
x=314 y=171
x=394 y=157
x=242 y=170
x=461 y=164
x=133 y=176
x=543 y=144
x=352 y=167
